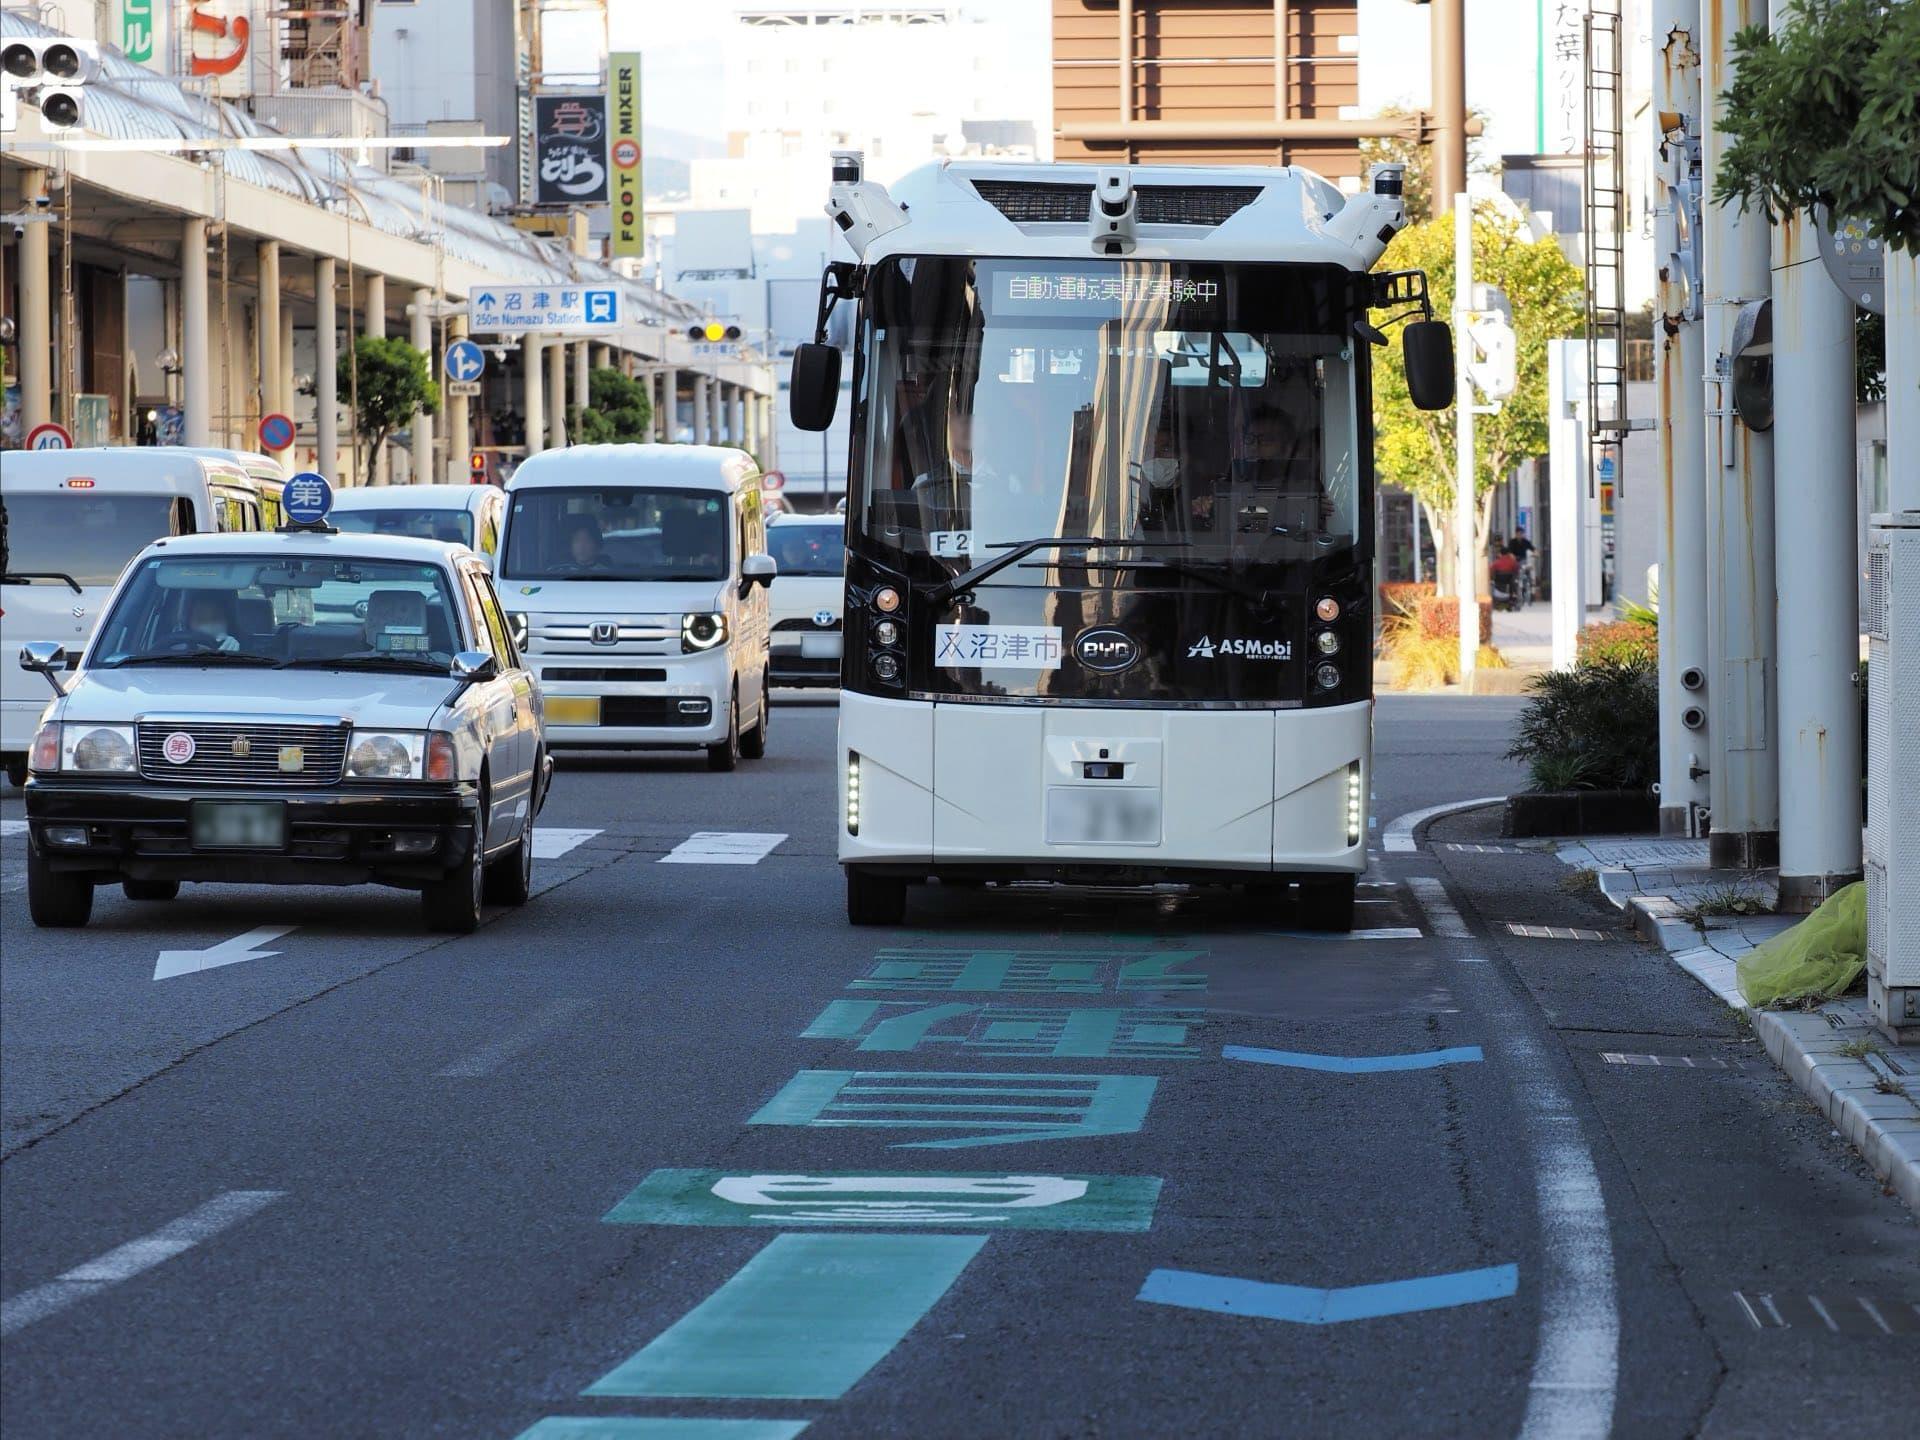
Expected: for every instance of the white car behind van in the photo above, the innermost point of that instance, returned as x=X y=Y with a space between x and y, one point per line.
x=467 y=515
x=70 y=520
x=635 y=578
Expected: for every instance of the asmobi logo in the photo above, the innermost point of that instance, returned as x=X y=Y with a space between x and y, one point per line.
x=1205 y=649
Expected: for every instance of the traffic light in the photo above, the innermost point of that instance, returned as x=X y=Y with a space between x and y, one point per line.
x=477 y=466
x=713 y=332
x=51 y=74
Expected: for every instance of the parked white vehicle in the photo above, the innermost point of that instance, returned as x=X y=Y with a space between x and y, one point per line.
x=301 y=708
x=811 y=551
x=70 y=520
x=469 y=515
x=636 y=579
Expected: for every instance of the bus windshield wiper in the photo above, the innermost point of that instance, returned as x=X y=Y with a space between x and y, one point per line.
x=1018 y=550
x=27 y=577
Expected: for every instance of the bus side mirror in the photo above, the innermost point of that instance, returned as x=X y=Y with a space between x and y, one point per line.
x=814 y=385
x=1427 y=347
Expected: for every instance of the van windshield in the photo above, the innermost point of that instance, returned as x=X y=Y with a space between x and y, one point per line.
x=616 y=532
x=83 y=533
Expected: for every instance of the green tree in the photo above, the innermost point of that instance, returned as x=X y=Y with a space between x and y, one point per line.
x=392 y=383
x=1827 y=114
x=618 y=410
x=1414 y=449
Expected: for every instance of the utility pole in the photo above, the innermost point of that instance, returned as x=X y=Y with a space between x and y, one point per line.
x=1816 y=536
x=1465 y=507
x=1684 y=716
x=1447 y=33
x=1745 y=779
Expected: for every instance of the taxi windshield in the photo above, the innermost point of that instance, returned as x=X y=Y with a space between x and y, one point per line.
x=282 y=611
x=450 y=527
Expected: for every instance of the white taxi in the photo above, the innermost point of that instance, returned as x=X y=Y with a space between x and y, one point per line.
x=299 y=707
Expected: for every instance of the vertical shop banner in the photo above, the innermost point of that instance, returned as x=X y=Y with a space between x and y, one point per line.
x=629 y=214
x=570 y=149
x=143 y=32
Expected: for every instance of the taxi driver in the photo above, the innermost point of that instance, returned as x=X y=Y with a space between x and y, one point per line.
x=207 y=619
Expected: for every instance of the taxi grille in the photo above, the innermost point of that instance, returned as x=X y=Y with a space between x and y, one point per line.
x=215 y=761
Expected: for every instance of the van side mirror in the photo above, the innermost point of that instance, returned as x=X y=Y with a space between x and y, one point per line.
x=1427 y=348
x=814 y=386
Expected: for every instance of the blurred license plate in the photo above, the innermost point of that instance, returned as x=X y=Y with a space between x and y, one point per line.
x=239 y=825
x=573 y=709
x=819 y=647
x=1085 y=816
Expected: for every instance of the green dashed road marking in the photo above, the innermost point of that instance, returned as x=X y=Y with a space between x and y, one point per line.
x=616 y=1427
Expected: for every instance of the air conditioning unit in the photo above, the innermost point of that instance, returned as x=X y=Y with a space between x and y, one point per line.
x=1893 y=772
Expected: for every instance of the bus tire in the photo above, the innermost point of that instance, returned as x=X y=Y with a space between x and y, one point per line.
x=1327 y=904
x=875 y=899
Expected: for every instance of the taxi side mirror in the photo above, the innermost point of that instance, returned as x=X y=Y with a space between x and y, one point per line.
x=757 y=570
x=472 y=666
x=46 y=656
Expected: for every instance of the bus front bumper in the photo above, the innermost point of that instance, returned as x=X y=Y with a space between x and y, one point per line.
x=1125 y=796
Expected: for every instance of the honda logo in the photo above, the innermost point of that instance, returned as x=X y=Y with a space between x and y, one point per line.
x=1107 y=651
x=604 y=632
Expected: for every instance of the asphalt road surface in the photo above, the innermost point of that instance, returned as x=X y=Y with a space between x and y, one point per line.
x=674 y=1152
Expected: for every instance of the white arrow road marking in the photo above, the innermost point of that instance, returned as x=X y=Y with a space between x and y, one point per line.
x=722 y=847
x=128 y=1260
x=551 y=842
x=13 y=827
x=227 y=952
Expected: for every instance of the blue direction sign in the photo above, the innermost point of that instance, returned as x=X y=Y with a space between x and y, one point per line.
x=562 y=309
x=465 y=361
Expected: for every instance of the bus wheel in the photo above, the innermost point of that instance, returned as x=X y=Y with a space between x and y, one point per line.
x=1327 y=904
x=875 y=899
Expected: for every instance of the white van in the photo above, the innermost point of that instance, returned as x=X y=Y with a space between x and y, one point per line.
x=70 y=520
x=468 y=515
x=636 y=577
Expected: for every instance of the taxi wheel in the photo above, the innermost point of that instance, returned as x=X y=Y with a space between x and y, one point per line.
x=510 y=878
x=56 y=901
x=150 y=889
x=17 y=772
x=753 y=744
x=725 y=755
x=1327 y=904
x=875 y=899
x=452 y=903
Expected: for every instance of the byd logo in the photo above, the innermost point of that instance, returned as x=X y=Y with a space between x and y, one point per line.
x=1107 y=651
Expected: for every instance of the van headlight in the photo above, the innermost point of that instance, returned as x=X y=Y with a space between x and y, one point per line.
x=518 y=628
x=97 y=748
x=385 y=754
x=702 y=631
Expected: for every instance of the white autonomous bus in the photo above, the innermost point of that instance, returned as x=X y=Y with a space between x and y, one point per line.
x=1110 y=521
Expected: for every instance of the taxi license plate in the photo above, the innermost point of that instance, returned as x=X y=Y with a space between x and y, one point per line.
x=573 y=709
x=239 y=825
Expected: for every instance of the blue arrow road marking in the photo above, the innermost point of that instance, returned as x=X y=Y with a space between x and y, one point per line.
x=1355 y=1064
x=1303 y=1305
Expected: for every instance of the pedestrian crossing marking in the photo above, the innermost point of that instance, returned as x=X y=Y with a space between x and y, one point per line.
x=551 y=842
x=722 y=847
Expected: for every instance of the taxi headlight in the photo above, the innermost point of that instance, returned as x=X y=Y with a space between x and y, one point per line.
x=97 y=748
x=385 y=754
x=702 y=631
x=518 y=628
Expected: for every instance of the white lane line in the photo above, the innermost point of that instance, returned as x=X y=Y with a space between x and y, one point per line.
x=1431 y=896
x=489 y=1057
x=722 y=847
x=550 y=842
x=128 y=1260
x=227 y=952
x=1399 y=834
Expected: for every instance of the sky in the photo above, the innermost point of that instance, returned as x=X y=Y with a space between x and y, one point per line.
x=683 y=66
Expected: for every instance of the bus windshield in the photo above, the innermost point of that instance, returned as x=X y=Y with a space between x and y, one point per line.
x=1205 y=411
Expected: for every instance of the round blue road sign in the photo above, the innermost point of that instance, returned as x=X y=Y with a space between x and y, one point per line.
x=307 y=498
x=276 y=431
x=465 y=361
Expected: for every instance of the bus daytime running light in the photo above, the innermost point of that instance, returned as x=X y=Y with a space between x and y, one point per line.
x=853 y=792
x=1326 y=675
x=1353 y=804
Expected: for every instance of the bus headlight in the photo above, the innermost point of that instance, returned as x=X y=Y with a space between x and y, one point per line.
x=887 y=633
x=1328 y=641
x=702 y=631
x=886 y=667
x=98 y=748
x=853 y=792
x=1326 y=675
x=1354 y=813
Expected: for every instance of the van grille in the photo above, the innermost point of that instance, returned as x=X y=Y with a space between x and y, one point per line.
x=215 y=761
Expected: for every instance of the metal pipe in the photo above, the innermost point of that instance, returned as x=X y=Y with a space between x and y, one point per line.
x=581 y=371
x=326 y=370
x=1745 y=778
x=267 y=324
x=35 y=355
x=1447 y=20
x=459 y=430
x=373 y=324
x=1815 y=560
x=1282 y=74
x=1408 y=127
x=1125 y=25
x=1465 y=470
x=1680 y=436
x=1903 y=382
x=532 y=394
x=421 y=339
x=196 y=378
x=556 y=394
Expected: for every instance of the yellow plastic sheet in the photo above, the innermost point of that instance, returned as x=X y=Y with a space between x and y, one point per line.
x=1823 y=955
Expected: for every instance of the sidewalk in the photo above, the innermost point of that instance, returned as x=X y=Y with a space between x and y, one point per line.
x=1706 y=920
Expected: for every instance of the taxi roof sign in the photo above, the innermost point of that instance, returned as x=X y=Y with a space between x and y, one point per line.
x=306 y=501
